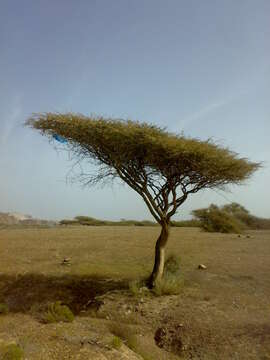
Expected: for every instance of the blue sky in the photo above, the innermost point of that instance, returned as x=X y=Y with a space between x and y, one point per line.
x=201 y=67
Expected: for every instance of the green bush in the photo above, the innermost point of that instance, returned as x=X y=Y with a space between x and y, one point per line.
x=68 y=222
x=172 y=264
x=186 y=223
x=11 y=352
x=4 y=308
x=243 y=215
x=214 y=219
x=230 y=218
x=172 y=281
x=170 y=284
x=116 y=342
x=57 y=312
x=138 y=287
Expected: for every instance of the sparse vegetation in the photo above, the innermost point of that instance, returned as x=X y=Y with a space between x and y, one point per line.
x=138 y=287
x=129 y=336
x=57 y=312
x=11 y=351
x=3 y=308
x=31 y=277
x=186 y=223
x=90 y=221
x=116 y=342
x=169 y=284
x=172 y=282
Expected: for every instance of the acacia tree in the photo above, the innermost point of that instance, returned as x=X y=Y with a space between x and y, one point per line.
x=162 y=167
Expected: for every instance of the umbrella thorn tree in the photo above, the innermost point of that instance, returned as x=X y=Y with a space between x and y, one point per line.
x=162 y=167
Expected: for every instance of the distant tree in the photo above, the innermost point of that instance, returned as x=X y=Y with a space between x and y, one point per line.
x=162 y=167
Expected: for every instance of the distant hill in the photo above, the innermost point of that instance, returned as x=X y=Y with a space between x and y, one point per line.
x=15 y=218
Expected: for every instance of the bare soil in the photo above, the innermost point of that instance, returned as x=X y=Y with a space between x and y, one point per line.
x=223 y=312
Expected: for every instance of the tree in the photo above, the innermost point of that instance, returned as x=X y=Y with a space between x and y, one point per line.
x=162 y=167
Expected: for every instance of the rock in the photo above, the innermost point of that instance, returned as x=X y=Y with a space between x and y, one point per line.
x=202 y=267
x=66 y=261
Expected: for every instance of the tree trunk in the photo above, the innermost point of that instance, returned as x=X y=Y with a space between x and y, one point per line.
x=159 y=256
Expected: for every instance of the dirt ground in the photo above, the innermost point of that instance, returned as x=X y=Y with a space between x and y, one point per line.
x=223 y=312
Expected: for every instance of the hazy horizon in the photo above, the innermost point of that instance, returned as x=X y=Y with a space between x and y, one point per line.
x=201 y=68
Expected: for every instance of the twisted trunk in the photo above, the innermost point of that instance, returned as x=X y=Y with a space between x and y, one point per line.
x=159 y=255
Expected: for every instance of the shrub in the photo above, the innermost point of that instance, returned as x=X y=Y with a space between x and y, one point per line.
x=11 y=352
x=214 y=219
x=172 y=264
x=57 y=312
x=172 y=281
x=138 y=287
x=68 y=222
x=186 y=223
x=3 y=308
x=116 y=342
x=170 y=284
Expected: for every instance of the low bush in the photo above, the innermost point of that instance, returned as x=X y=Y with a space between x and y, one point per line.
x=214 y=219
x=170 y=284
x=172 y=264
x=186 y=223
x=138 y=287
x=57 y=312
x=116 y=342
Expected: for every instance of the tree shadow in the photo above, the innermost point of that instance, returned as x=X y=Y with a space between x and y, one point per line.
x=22 y=293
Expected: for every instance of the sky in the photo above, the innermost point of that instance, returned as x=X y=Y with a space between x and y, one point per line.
x=198 y=67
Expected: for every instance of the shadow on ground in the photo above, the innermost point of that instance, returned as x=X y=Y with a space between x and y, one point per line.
x=24 y=292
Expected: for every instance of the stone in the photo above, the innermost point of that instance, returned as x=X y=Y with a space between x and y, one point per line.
x=202 y=267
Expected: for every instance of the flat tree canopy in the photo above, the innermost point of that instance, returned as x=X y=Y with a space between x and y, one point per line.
x=163 y=167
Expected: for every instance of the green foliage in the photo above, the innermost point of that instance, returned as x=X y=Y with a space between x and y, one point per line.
x=90 y=221
x=117 y=142
x=57 y=312
x=186 y=223
x=248 y=220
x=11 y=352
x=230 y=218
x=116 y=342
x=68 y=222
x=138 y=287
x=214 y=219
x=4 y=308
x=172 y=265
x=149 y=159
x=86 y=220
x=172 y=282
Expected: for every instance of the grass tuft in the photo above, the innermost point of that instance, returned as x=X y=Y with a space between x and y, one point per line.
x=170 y=284
x=172 y=264
x=116 y=342
x=57 y=312
x=172 y=281
x=138 y=287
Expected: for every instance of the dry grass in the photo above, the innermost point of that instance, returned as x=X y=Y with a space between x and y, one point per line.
x=224 y=309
